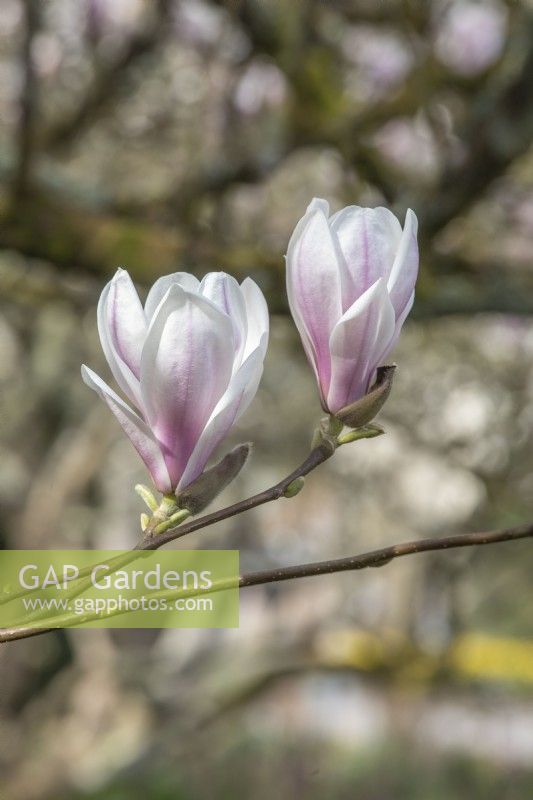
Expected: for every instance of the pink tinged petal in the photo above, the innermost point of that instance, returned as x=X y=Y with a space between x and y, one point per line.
x=300 y=324
x=368 y=238
x=257 y=315
x=122 y=330
x=233 y=403
x=135 y=429
x=314 y=277
x=125 y=320
x=402 y=279
x=162 y=285
x=358 y=343
x=224 y=291
x=186 y=366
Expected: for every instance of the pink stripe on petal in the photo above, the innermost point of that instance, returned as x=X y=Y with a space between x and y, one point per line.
x=135 y=429
x=314 y=276
x=368 y=238
x=125 y=320
x=232 y=405
x=186 y=366
x=122 y=333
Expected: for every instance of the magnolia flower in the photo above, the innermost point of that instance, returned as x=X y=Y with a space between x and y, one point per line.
x=190 y=362
x=350 y=284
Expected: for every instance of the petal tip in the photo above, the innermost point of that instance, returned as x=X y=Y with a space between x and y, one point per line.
x=412 y=219
x=318 y=204
x=85 y=374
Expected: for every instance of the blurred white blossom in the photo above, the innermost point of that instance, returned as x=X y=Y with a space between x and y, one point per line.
x=409 y=144
x=262 y=84
x=471 y=36
x=382 y=59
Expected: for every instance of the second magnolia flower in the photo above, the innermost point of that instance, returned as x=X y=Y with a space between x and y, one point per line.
x=190 y=362
x=350 y=284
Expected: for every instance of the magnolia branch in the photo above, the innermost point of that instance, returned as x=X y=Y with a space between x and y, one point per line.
x=29 y=101
x=373 y=558
x=383 y=556
x=108 y=81
x=316 y=457
x=328 y=439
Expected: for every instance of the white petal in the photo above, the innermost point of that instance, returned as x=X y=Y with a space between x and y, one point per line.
x=135 y=428
x=224 y=291
x=257 y=315
x=318 y=204
x=232 y=405
x=186 y=366
x=162 y=285
x=368 y=238
x=358 y=343
x=404 y=272
x=122 y=330
x=399 y=322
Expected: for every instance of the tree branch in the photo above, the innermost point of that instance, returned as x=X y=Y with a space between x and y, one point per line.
x=316 y=457
x=373 y=558
x=107 y=83
x=28 y=106
x=497 y=132
x=383 y=556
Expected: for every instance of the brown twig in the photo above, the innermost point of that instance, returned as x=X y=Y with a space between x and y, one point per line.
x=313 y=460
x=383 y=556
x=373 y=558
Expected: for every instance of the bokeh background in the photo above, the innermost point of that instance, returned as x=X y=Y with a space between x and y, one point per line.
x=191 y=134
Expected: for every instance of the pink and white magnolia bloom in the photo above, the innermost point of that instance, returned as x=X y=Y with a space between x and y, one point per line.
x=190 y=362
x=350 y=284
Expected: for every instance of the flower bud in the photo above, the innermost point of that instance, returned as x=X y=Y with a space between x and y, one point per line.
x=350 y=285
x=294 y=488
